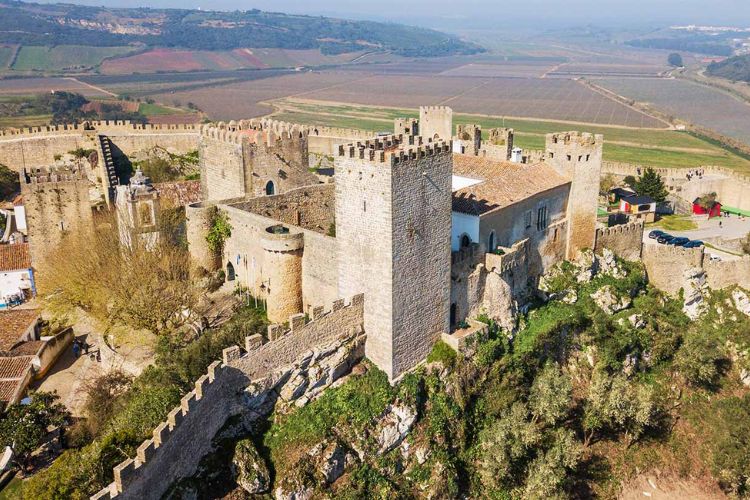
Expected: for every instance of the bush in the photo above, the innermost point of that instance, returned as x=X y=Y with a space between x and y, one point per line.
x=698 y=360
x=442 y=353
x=730 y=444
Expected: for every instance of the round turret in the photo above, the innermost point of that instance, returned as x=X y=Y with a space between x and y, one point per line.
x=283 y=265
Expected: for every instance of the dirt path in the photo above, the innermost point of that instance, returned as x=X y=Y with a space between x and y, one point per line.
x=94 y=87
x=666 y=488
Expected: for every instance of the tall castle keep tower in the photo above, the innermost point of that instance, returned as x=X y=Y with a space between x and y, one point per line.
x=578 y=157
x=468 y=139
x=502 y=139
x=436 y=122
x=393 y=226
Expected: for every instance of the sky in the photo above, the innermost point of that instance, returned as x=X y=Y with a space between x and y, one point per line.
x=485 y=13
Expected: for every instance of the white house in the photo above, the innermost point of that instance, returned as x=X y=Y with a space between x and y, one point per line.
x=16 y=275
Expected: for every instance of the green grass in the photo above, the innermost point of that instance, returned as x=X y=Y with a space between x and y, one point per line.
x=64 y=57
x=11 y=490
x=156 y=109
x=6 y=53
x=675 y=223
x=659 y=148
x=24 y=121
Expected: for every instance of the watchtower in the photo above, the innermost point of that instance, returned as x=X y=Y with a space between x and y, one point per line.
x=393 y=225
x=578 y=157
x=468 y=139
x=406 y=126
x=502 y=138
x=436 y=122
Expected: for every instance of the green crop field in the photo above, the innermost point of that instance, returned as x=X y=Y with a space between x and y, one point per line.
x=6 y=55
x=64 y=57
x=662 y=148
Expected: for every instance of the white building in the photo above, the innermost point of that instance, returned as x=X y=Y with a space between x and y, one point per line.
x=16 y=275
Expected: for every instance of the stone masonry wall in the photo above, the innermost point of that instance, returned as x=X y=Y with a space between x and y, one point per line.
x=728 y=273
x=624 y=240
x=310 y=207
x=247 y=384
x=222 y=169
x=666 y=264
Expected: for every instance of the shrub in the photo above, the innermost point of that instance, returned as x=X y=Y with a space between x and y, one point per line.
x=698 y=360
x=442 y=353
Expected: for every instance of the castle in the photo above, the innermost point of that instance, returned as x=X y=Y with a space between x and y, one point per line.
x=432 y=229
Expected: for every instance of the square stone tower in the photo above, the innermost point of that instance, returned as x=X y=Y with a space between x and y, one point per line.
x=578 y=157
x=393 y=228
x=436 y=122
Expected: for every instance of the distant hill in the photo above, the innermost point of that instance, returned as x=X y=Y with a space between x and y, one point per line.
x=735 y=68
x=66 y=24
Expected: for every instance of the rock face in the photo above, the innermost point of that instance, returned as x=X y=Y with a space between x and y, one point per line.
x=741 y=301
x=696 y=289
x=250 y=468
x=607 y=300
x=393 y=426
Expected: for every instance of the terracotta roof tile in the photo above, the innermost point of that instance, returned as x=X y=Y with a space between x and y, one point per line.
x=15 y=257
x=14 y=367
x=503 y=183
x=180 y=193
x=8 y=389
x=30 y=348
x=13 y=324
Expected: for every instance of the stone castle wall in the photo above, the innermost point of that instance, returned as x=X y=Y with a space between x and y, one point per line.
x=436 y=122
x=666 y=264
x=728 y=273
x=732 y=188
x=247 y=384
x=37 y=146
x=624 y=240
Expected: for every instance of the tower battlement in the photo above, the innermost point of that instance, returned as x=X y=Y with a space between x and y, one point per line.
x=575 y=138
x=46 y=175
x=436 y=122
x=393 y=149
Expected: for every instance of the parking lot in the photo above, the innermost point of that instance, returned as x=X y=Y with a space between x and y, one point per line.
x=728 y=228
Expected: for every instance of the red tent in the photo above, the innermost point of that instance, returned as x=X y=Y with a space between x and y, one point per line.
x=715 y=210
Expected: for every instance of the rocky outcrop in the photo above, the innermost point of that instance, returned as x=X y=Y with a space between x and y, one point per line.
x=393 y=426
x=696 y=291
x=250 y=469
x=608 y=301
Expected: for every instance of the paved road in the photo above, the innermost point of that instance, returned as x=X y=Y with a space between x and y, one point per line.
x=731 y=228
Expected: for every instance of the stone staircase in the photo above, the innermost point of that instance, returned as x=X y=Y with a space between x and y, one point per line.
x=109 y=173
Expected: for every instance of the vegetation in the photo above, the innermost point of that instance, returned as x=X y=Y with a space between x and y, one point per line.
x=64 y=57
x=220 y=229
x=42 y=25
x=135 y=408
x=675 y=59
x=23 y=427
x=735 y=68
x=707 y=201
x=64 y=107
x=140 y=285
x=651 y=184
x=696 y=44
x=9 y=182
x=676 y=223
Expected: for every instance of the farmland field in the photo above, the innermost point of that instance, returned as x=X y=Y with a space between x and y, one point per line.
x=28 y=86
x=702 y=105
x=509 y=69
x=6 y=55
x=64 y=57
x=649 y=147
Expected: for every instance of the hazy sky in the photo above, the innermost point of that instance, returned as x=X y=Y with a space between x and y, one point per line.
x=486 y=13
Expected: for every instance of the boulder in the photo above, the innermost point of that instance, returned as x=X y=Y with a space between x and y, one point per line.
x=637 y=321
x=745 y=377
x=696 y=289
x=587 y=265
x=607 y=300
x=296 y=386
x=394 y=426
x=284 y=492
x=250 y=468
x=333 y=463
x=741 y=301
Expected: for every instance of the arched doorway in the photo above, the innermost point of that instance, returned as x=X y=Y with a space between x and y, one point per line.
x=491 y=242
x=270 y=188
x=465 y=240
x=453 y=315
x=230 y=272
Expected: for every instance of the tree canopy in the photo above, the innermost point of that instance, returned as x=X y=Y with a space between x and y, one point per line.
x=651 y=184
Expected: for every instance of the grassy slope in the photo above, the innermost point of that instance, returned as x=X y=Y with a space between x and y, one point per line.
x=62 y=57
x=644 y=146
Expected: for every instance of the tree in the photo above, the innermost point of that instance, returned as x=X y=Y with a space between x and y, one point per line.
x=618 y=405
x=101 y=396
x=550 y=395
x=9 y=182
x=630 y=181
x=505 y=444
x=549 y=472
x=606 y=184
x=219 y=230
x=675 y=60
x=24 y=427
x=698 y=359
x=730 y=442
x=141 y=285
x=707 y=201
x=651 y=184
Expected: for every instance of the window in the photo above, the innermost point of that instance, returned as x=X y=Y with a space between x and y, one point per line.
x=465 y=240
x=588 y=157
x=491 y=242
x=270 y=188
x=527 y=219
x=570 y=158
x=541 y=218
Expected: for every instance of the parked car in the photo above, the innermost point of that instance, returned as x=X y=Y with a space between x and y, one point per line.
x=665 y=238
x=655 y=234
x=693 y=244
x=678 y=242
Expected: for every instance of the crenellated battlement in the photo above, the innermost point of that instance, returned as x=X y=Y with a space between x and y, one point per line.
x=394 y=149
x=104 y=126
x=575 y=138
x=511 y=259
x=298 y=321
x=630 y=227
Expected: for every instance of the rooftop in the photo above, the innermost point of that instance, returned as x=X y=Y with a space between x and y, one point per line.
x=638 y=200
x=14 y=257
x=500 y=184
x=13 y=324
x=12 y=374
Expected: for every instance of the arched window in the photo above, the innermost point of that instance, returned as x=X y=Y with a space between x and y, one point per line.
x=491 y=242
x=465 y=240
x=270 y=188
x=230 y=272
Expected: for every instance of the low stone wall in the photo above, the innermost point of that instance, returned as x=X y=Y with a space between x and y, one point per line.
x=250 y=384
x=666 y=264
x=624 y=240
x=53 y=347
x=728 y=273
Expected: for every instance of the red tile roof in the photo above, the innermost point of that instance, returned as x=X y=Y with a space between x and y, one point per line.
x=13 y=324
x=15 y=257
x=502 y=183
x=14 y=367
x=8 y=389
x=30 y=348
